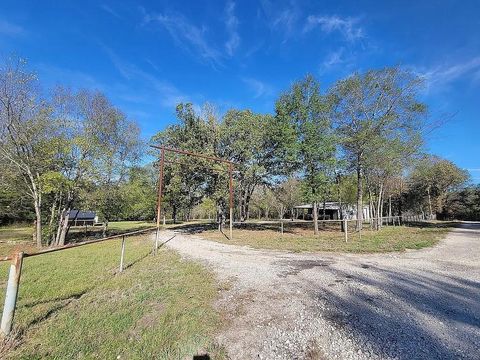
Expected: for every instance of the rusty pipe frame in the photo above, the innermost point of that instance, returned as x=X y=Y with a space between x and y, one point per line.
x=88 y=242
x=208 y=167
x=230 y=188
x=163 y=149
x=159 y=198
x=190 y=153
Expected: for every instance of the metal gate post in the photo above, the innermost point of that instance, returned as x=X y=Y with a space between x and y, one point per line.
x=122 y=254
x=159 y=201
x=11 y=294
x=230 y=186
x=345 y=229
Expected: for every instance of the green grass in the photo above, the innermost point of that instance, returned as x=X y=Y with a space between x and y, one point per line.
x=125 y=226
x=15 y=238
x=74 y=303
x=388 y=239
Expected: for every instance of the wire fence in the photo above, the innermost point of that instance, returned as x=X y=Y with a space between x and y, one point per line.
x=346 y=226
x=16 y=264
x=280 y=225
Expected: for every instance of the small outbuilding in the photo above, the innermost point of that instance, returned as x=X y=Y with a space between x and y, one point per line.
x=333 y=211
x=82 y=218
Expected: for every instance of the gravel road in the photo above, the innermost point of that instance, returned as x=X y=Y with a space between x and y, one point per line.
x=421 y=304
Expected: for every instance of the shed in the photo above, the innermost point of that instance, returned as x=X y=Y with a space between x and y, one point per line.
x=82 y=218
x=333 y=211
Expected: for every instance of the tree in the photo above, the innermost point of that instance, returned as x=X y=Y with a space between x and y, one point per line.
x=288 y=194
x=29 y=137
x=433 y=178
x=99 y=145
x=463 y=204
x=374 y=108
x=303 y=141
x=242 y=140
x=189 y=179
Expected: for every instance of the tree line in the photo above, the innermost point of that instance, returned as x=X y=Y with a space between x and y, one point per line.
x=360 y=142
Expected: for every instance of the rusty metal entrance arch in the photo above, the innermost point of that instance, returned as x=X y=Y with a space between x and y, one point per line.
x=163 y=150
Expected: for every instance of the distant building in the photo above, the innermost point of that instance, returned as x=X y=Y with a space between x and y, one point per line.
x=82 y=218
x=332 y=211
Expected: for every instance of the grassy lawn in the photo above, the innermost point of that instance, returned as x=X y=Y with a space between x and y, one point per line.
x=16 y=238
x=300 y=238
x=74 y=303
x=125 y=226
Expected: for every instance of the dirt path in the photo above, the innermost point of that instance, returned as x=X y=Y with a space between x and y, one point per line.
x=416 y=305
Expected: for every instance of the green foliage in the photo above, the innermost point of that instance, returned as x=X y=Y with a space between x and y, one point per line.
x=463 y=204
x=304 y=141
x=434 y=178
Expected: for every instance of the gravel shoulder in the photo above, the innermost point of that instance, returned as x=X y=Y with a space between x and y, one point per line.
x=421 y=304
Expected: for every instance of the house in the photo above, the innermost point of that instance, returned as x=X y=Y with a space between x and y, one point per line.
x=333 y=211
x=82 y=218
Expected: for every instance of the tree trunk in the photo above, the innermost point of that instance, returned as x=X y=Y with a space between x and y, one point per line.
x=37 y=204
x=359 y=224
x=429 y=202
x=389 y=208
x=379 y=210
x=371 y=208
x=64 y=228
x=38 y=223
x=315 y=218
x=243 y=211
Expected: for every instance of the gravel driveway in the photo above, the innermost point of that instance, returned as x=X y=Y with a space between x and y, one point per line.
x=421 y=304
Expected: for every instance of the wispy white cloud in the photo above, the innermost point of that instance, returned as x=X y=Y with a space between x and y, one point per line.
x=231 y=23
x=111 y=11
x=348 y=27
x=442 y=75
x=10 y=29
x=282 y=19
x=186 y=35
x=259 y=88
x=474 y=170
x=332 y=59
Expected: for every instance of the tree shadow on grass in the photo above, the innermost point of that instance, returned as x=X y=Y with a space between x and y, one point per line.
x=423 y=315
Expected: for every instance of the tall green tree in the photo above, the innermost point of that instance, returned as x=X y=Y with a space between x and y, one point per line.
x=373 y=109
x=242 y=140
x=433 y=178
x=30 y=138
x=302 y=139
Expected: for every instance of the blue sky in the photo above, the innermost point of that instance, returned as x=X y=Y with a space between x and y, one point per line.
x=148 y=56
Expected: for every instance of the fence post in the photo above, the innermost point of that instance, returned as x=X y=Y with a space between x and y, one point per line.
x=345 y=227
x=122 y=254
x=155 y=244
x=281 y=226
x=164 y=220
x=11 y=294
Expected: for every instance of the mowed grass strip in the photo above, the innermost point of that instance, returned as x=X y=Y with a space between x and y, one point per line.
x=75 y=304
x=388 y=239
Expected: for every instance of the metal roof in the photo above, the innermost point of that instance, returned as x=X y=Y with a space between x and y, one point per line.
x=82 y=215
